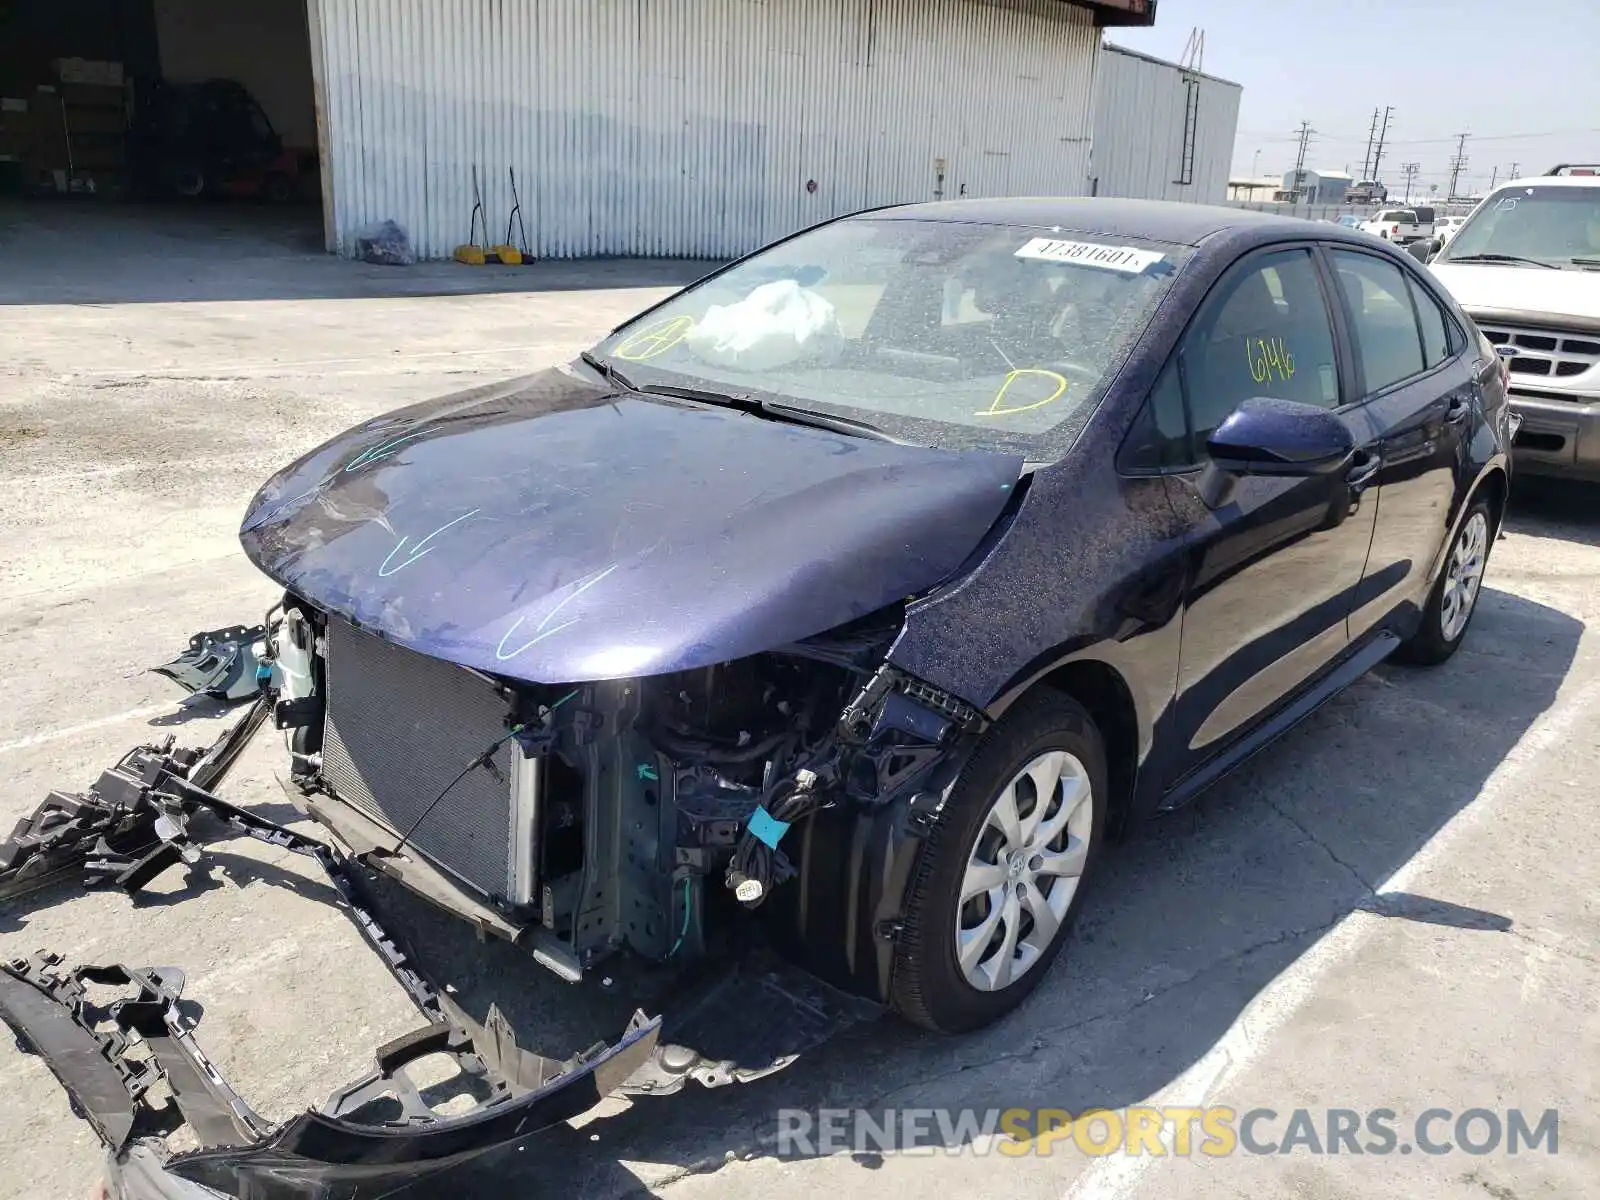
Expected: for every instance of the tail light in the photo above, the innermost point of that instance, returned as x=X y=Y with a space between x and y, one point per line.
x=1396 y=229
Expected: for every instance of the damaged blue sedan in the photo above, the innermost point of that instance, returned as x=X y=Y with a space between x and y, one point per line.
x=844 y=605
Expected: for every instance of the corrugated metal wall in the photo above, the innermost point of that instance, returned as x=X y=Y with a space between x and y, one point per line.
x=691 y=127
x=1139 y=126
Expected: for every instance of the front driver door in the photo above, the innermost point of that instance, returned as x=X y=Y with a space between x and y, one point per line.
x=1275 y=562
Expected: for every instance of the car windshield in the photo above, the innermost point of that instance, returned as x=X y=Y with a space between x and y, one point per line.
x=951 y=333
x=1557 y=226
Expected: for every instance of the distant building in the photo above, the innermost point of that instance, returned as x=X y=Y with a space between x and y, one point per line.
x=1262 y=190
x=1316 y=187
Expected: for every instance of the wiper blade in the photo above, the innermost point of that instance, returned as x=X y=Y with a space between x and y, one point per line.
x=609 y=371
x=769 y=408
x=1582 y=261
x=1501 y=258
x=806 y=416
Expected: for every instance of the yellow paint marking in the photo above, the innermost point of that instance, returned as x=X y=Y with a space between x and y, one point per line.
x=655 y=339
x=995 y=409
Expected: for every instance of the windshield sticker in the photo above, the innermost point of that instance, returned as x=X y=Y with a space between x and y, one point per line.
x=998 y=407
x=1127 y=259
x=655 y=339
x=1269 y=359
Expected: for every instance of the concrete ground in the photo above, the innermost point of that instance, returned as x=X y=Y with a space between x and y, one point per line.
x=1395 y=907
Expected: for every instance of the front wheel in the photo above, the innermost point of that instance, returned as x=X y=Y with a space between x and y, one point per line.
x=1455 y=596
x=1000 y=877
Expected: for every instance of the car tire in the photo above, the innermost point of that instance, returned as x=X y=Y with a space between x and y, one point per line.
x=278 y=188
x=1444 y=622
x=1049 y=837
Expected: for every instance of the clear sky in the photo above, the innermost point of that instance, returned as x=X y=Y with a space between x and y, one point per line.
x=1522 y=78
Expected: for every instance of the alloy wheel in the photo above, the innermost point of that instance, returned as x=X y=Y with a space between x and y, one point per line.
x=1463 y=576
x=1023 y=870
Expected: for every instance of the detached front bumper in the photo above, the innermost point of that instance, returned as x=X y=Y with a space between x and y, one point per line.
x=108 y=1072
x=369 y=1139
x=132 y=1068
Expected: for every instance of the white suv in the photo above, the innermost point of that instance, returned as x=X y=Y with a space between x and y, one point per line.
x=1526 y=267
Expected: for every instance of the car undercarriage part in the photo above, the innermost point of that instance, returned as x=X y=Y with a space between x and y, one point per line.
x=381 y=1131
x=224 y=664
x=113 y=828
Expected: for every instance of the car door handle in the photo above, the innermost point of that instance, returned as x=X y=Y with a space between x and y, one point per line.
x=1363 y=468
x=1458 y=409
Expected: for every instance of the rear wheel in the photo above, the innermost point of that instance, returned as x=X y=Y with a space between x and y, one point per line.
x=1455 y=596
x=1001 y=875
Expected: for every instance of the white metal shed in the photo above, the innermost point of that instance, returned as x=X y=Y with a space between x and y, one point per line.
x=693 y=127
x=1161 y=131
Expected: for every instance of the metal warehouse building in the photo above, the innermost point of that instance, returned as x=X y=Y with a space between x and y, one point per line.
x=695 y=128
x=1162 y=132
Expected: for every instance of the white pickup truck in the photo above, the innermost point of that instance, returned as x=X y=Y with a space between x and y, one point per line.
x=1397 y=225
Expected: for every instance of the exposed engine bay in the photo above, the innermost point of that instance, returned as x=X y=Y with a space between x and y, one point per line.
x=635 y=815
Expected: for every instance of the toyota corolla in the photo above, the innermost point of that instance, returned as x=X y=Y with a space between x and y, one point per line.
x=853 y=598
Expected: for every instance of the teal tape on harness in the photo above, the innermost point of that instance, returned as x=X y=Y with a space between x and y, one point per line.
x=766 y=828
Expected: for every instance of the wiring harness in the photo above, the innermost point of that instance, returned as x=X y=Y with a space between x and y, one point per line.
x=757 y=864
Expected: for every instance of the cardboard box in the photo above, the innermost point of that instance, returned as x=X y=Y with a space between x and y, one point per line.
x=89 y=71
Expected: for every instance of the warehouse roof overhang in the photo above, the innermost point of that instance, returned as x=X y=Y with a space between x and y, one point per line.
x=1119 y=12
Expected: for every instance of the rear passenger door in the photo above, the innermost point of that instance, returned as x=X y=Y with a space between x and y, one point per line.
x=1419 y=390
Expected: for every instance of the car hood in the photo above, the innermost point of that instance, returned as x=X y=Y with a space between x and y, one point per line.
x=1507 y=289
x=554 y=529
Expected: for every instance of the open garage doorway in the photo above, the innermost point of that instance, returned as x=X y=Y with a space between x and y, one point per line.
x=168 y=116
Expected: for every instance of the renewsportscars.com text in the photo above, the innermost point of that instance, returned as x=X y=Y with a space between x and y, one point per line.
x=1214 y=1132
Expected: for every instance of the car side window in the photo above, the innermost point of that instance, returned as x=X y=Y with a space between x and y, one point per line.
x=1434 y=325
x=1388 y=343
x=1264 y=332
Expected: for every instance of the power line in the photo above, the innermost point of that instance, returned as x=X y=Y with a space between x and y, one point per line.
x=1458 y=162
x=1377 y=154
x=1300 y=159
x=1263 y=136
x=1366 y=159
x=1410 y=169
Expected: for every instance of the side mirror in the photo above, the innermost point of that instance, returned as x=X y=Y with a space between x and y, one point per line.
x=1265 y=436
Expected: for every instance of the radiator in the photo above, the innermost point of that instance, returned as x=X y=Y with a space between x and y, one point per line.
x=399 y=727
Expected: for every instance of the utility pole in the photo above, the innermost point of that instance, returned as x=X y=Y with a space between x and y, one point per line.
x=1458 y=163
x=1410 y=170
x=1304 y=134
x=1514 y=167
x=1366 y=160
x=1383 y=135
x=1494 y=176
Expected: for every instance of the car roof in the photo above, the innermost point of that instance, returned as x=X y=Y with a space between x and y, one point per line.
x=1160 y=220
x=1577 y=181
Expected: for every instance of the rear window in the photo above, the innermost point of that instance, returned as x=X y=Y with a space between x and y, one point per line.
x=1403 y=215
